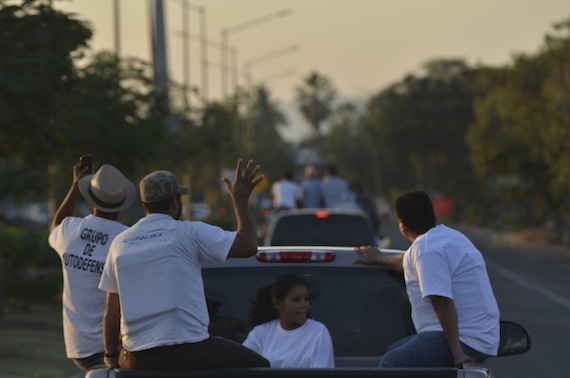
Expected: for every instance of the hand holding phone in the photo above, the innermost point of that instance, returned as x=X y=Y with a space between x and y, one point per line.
x=86 y=161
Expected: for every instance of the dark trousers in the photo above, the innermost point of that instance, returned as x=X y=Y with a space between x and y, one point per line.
x=90 y=362
x=215 y=352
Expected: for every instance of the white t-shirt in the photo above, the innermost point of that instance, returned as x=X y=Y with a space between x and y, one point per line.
x=155 y=267
x=83 y=244
x=445 y=263
x=335 y=191
x=309 y=346
x=286 y=193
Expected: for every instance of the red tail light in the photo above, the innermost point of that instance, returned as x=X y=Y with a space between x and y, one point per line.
x=322 y=214
x=296 y=256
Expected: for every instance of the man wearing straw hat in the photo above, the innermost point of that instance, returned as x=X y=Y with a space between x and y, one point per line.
x=83 y=245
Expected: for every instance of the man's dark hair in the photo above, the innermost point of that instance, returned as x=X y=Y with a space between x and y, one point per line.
x=157 y=207
x=332 y=170
x=415 y=210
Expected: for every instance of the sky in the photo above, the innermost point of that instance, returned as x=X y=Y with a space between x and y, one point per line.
x=362 y=46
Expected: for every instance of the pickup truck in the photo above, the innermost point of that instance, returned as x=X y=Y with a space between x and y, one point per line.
x=340 y=227
x=365 y=309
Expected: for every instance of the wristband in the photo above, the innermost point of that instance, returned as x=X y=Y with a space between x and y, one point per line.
x=112 y=356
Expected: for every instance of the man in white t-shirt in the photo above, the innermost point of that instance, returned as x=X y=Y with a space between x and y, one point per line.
x=286 y=193
x=83 y=244
x=155 y=292
x=453 y=306
x=336 y=192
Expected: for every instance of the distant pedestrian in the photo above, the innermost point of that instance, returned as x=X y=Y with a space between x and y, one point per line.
x=336 y=191
x=286 y=192
x=366 y=203
x=312 y=189
x=282 y=330
x=83 y=245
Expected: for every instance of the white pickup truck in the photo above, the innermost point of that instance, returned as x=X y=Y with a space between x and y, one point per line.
x=364 y=308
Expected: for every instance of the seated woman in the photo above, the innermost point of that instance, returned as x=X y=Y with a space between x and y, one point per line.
x=282 y=331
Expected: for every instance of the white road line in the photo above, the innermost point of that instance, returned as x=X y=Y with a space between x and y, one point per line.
x=564 y=302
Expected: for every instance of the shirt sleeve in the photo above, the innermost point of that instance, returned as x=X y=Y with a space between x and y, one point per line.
x=57 y=239
x=434 y=274
x=324 y=353
x=213 y=242
x=252 y=341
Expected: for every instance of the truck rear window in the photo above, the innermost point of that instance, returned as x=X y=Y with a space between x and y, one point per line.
x=365 y=310
x=334 y=230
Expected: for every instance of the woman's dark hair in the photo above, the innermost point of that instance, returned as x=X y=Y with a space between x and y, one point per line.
x=415 y=210
x=263 y=309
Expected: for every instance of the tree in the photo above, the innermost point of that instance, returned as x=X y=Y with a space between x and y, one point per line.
x=418 y=127
x=315 y=97
x=521 y=130
x=345 y=147
x=270 y=149
x=113 y=113
x=38 y=46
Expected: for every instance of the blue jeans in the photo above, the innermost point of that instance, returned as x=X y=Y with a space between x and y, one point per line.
x=425 y=349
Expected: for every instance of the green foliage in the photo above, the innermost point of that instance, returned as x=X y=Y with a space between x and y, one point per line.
x=418 y=127
x=521 y=130
x=113 y=113
x=315 y=98
x=29 y=269
x=345 y=146
x=269 y=148
x=37 y=45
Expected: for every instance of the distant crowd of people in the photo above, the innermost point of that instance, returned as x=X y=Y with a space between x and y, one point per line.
x=331 y=191
x=133 y=297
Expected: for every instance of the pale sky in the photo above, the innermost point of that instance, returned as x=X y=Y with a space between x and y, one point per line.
x=362 y=46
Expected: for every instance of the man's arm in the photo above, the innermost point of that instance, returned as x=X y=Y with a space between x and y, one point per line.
x=67 y=207
x=373 y=256
x=111 y=330
x=447 y=315
x=245 y=244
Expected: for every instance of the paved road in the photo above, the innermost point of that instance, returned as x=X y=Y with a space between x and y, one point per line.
x=532 y=287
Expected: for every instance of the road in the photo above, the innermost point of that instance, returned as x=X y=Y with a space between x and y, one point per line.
x=531 y=285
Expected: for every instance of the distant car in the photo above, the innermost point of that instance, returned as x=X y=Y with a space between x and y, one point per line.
x=321 y=227
x=199 y=211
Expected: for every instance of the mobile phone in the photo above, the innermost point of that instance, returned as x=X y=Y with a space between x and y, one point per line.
x=86 y=161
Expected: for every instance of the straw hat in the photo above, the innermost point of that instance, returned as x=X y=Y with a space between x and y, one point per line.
x=107 y=190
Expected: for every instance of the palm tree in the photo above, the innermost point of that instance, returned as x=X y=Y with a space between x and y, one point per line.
x=315 y=97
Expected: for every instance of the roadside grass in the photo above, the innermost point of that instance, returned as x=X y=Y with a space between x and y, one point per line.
x=31 y=343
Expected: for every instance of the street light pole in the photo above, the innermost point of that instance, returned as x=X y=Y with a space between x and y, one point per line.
x=159 y=57
x=249 y=80
x=202 y=39
x=186 y=56
x=236 y=29
x=265 y=58
x=117 y=22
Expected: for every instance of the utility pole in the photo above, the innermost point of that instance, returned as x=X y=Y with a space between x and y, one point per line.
x=186 y=56
x=159 y=58
x=117 y=23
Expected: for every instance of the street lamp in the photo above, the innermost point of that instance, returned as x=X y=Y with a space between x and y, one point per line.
x=248 y=142
x=236 y=29
x=265 y=58
x=185 y=34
